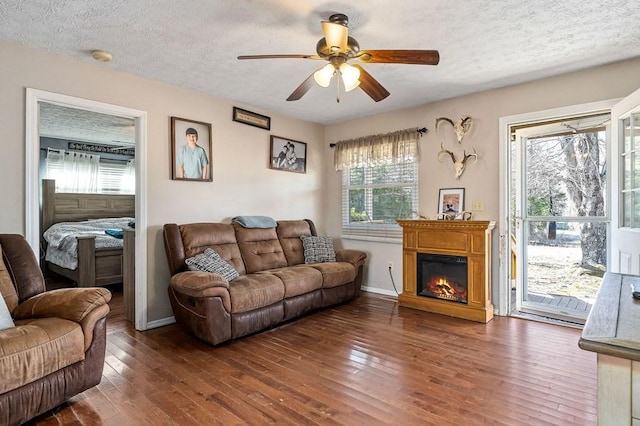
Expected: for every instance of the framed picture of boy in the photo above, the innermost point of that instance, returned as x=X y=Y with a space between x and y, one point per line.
x=191 y=150
x=288 y=155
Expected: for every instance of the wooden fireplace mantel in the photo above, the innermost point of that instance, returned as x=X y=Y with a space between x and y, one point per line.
x=450 y=237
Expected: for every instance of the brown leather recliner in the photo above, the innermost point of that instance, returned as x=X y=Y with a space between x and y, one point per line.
x=57 y=347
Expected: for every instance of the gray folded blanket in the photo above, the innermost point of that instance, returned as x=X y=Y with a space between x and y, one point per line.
x=255 y=221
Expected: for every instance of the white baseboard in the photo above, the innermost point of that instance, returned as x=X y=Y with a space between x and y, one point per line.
x=377 y=290
x=161 y=322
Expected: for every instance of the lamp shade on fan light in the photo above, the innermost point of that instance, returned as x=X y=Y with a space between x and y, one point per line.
x=350 y=76
x=324 y=75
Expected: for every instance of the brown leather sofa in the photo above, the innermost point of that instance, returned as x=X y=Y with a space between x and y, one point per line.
x=274 y=285
x=57 y=347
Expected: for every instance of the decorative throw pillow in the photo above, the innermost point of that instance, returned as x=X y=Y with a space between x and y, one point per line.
x=210 y=261
x=5 y=316
x=318 y=249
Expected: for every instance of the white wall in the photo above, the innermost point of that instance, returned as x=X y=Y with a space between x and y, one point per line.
x=242 y=182
x=480 y=180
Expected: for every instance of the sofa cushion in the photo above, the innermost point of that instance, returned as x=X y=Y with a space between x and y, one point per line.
x=289 y=233
x=335 y=274
x=260 y=249
x=221 y=237
x=298 y=279
x=210 y=261
x=38 y=347
x=318 y=249
x=249 y=292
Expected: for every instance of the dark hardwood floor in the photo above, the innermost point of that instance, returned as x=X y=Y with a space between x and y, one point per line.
x=363 y=363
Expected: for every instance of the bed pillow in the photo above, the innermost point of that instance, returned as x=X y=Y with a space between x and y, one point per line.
x=210 y=261
x=5 y=316
x=318 y=249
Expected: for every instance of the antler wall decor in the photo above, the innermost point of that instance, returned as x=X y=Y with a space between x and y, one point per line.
x=458 y=165
x=461 y=127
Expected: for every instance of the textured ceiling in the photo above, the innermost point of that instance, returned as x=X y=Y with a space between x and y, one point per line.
x=194 y=44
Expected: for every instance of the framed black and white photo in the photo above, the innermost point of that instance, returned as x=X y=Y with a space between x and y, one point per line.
x=191 y=150
x=288 y=155
x=451 y=201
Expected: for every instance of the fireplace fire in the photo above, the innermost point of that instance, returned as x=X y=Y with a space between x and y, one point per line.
x=442 y=277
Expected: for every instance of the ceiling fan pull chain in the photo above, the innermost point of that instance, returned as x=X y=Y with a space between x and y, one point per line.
x=338 y=85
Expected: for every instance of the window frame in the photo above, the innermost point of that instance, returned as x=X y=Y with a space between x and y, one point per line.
x=376 y=231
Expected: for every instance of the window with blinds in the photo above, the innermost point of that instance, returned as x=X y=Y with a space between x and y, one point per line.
x=373 y=197
x=116 y=178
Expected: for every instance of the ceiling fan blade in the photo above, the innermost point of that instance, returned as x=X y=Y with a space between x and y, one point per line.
x=302 y=89
x=335 y=35
x=279 y=57
x=371 y=86
x=393 y=56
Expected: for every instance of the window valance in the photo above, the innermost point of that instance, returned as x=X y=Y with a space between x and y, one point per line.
x=390 y=148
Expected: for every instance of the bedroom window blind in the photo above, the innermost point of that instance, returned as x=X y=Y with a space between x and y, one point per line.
x=379 y=183
x=84 y=173
x=117 y=178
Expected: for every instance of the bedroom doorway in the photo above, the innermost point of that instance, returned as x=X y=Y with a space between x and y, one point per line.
x=37 y=101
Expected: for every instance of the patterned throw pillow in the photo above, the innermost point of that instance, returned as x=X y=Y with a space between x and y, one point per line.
x=5 y=316
x=318 y=249
x=210 y=261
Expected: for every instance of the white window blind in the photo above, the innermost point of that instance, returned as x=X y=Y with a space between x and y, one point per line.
x=379 y=183
x=374 y=197
x=116 y=178
x=85 y=173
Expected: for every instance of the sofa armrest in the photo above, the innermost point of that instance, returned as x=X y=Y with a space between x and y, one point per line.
x=355 y=257
x=72 y=304
x=82 y=305
x=202 y=284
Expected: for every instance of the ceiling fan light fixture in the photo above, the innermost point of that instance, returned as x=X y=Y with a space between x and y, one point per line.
x=324 y=75
x=350 y=76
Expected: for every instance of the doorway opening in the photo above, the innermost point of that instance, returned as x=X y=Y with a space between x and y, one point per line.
x=558 y=214
x=33 y=232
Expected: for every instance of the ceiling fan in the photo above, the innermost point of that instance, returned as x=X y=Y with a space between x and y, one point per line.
x=338 y=48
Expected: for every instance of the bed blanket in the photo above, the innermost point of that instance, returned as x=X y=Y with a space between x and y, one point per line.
x=62 y=236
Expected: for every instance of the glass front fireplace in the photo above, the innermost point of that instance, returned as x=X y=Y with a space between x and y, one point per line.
x=442 y=277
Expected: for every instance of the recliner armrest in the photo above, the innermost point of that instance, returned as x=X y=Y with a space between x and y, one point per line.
x=355 y=257
x=202 y=284
x=73 y=304
x=82 y=305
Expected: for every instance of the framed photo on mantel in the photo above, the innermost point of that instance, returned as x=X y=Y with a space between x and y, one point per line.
x=450 y=201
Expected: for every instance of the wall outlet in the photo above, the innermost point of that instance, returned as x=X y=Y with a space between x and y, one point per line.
x=477 y=206
x=390 y=265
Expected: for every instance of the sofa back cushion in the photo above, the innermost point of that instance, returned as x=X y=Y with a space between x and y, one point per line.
x=260 y=248
x=21 y=264
x=197 y=237
x=7 y=290
x=289 y=233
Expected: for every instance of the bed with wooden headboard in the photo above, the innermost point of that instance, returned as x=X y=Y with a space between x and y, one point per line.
x=95 y=267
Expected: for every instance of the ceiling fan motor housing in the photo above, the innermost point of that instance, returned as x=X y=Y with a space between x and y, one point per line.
x=324 y=51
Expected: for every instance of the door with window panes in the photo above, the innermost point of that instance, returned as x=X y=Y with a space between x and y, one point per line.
x=625 y=244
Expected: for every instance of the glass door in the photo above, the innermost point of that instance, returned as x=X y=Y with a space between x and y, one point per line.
x=559 y=211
